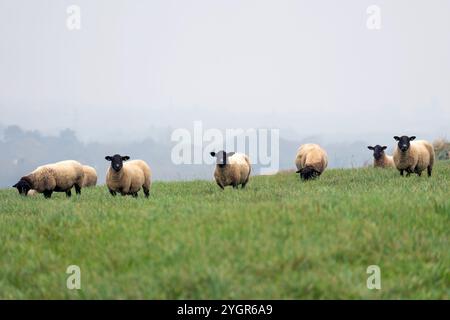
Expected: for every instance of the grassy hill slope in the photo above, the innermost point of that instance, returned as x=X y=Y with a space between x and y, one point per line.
x=278 y=238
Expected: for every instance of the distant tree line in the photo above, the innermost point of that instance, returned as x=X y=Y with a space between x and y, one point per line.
x=24 y=150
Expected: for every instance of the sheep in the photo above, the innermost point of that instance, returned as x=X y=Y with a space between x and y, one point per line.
x=413 y=157
x=380 y=158
x=57 y=177
x=128 y=178
x=232 y=169
x=32 y=193
x=90 y=177
x=311 y=161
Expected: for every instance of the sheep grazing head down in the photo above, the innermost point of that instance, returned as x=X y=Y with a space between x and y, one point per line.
x=308 y=173
x=117 y=161
x=23 y=186
x=404 y=142
x=221 y=157
x=377 y=151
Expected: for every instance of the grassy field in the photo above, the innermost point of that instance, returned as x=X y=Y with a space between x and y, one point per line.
x=278 y=238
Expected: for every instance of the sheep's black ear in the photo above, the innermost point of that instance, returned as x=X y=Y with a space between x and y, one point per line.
x=370 y=147
x=125 y=158
x=229 y=154
x=384 y=147
x=213 y=154
x=16 y=185
x=108 y=158
x=298 y=171
x=397 y=138
x=412 y=138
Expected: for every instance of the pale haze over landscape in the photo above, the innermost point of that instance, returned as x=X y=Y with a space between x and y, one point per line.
x=308 y=68
x=232 y=157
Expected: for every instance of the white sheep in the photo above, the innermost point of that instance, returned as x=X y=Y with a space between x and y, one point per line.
x=232 y=169
x=311 y=161
x=90 y=176
x=57 y=177
x=32 y=193
x=380 y=158
x=413 y=156
x=127 y=178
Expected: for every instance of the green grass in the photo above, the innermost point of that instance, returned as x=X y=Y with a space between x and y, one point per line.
x=277 y=239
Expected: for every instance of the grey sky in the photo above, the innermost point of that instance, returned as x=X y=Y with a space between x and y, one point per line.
x=309 y=67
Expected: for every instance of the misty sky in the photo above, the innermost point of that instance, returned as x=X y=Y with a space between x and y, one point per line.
x=307 y=67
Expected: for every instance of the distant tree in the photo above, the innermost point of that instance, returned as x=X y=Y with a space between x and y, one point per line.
x=13 y=133
x=68 y=136
x=34 y=134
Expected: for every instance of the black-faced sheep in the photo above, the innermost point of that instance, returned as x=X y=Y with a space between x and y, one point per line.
x=311 y=161
x=413 y=156
x=232 y=169
x=56 y=177
x=127 y=178
x=90 y=177
x=380 y=158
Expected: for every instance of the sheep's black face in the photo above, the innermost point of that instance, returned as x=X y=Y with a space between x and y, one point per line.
x=23 y=186
x=378 y=151
x=308 y=173
x=221 y=157
x=404 y=142
x=117 y=161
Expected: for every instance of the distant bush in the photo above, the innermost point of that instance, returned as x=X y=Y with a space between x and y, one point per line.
x=442 y=149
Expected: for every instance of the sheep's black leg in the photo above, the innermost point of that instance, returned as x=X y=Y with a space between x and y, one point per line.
x=146 y=192
x=235 y=186
x=48 y=194
x=113 y=193
x=245 y=182
x=401 y=173
x=134 y=194
x=408 y=172
x=68 y=193
x=429 y=169
x=419 y=173
x=221 y=186
x=77 y=189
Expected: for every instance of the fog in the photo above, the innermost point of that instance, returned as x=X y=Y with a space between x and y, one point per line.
x=308 y=68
